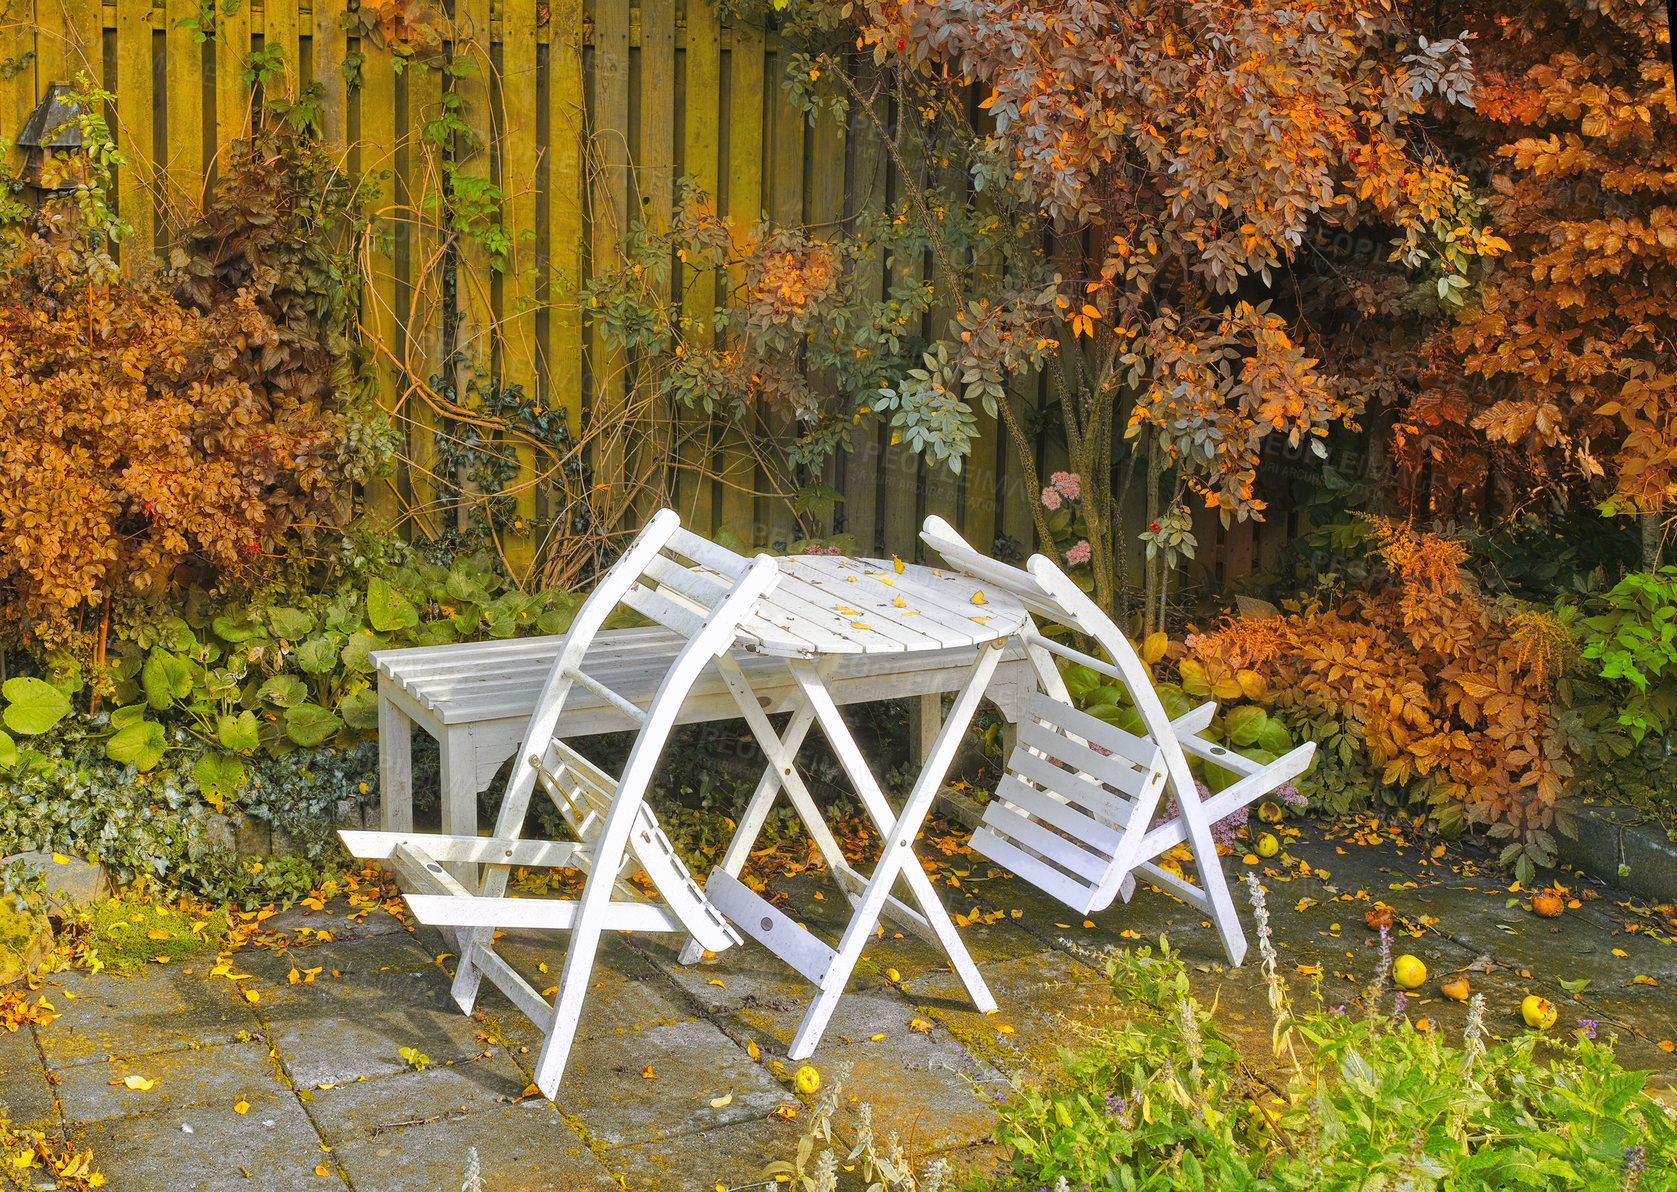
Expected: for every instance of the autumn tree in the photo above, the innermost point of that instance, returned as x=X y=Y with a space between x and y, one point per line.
x=1181 y=158
x=1574 y=342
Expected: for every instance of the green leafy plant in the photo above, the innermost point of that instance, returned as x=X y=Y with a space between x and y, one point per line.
x=414 y=1058
x=1633 y=637
x=1161 y=1100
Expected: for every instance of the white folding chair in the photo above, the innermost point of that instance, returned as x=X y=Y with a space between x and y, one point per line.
x=1075 y=813
x=684 y=583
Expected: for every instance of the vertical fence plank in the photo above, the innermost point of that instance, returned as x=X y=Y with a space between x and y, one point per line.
x=566 y=226
x=868 y=166
x=777 y=424
x=903 y=488
x=376 y=98
x=655 y=159
x=134 y=130
x=183 y=111
x=422 y=351
x=736 y=465
x=330 y=45
x=78 y=27
x=475 y=336
x=521 y=156
x=701 y=157
x=232 y=95
x=824 y=210
x=280 y=28
x=609 y=218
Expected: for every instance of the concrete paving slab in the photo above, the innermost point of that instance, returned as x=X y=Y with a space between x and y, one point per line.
x=191 y=1076
x=729 y=1156
x=389 y=994
x=161 y=1007
x=26 y=1096
x=526 y=1147
x=1043 y=1000
x=368 y=1108
x=692 y=1063
x=626 y=989
x=918 y=1080
x=273 y=1141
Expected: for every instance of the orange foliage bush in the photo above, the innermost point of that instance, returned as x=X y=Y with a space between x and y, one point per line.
x=1449 y=698
x=137 y=437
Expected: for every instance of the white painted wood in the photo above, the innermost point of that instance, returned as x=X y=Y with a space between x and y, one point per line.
x=1130 y=842
x=523 y=853
x=1002 y=850
x=395 y=766
x=1061 y=815
x=764 y=922
x=556 y=914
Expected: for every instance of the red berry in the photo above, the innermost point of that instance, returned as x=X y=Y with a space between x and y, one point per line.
x=252 y=546
x=1154 y=526
x=901 y=43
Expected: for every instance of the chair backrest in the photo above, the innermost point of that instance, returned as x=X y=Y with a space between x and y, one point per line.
x=1050 y=594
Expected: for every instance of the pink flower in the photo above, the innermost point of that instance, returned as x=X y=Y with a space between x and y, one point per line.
x=1051 y=498
x=1079 y=553
x=1069 y=484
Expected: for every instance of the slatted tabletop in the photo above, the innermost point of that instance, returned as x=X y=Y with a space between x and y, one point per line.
x=832 y=605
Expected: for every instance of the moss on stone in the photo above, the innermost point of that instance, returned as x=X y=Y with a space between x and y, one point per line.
x=125 y=935
x=25 y=938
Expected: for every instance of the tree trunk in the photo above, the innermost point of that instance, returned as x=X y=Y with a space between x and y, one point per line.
x=1653 y=534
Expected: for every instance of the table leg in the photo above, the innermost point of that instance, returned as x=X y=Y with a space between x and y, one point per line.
x=395 y=768
x=780 y=774
x=897 y=855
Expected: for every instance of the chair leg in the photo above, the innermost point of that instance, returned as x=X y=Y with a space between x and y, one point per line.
x=1215 y=886
x=458 y=765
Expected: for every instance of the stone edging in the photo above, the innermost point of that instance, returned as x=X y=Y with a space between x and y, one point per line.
x=1609 y=837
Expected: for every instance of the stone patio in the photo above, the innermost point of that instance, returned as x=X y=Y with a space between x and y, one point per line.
x=303 y=1087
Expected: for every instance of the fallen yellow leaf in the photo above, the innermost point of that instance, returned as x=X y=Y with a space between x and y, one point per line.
x=138 y=1083
x=893 y=975
x=251 y=995
x=648 y=1073
x=751 y=1048
x=875 y=1038
x=1667 y=1045
x=154 y=934
x=321 y=1170
x=921 y=1025
x=718 y=984
x=896 y=564
x=785 y=1111
x=60 y=859
x=1620 y=952
x=719 y=1102
x=241 y=1107
x=978 y=598
x=1004 y=1029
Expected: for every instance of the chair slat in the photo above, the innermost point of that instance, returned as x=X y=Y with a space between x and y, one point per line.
x=708 y=554
x=1108 y=736
x=705 y=588
x=1033 y=869
x=683 y=616
x=1067 y=854
x=1096 y=769
x=1062 y=815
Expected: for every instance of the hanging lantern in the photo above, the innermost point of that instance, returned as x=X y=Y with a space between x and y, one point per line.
x=51 y=140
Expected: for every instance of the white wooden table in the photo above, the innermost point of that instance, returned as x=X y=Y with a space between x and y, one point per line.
x=825 y=610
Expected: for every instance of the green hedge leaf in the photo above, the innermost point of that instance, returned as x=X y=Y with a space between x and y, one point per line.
x=388 y=609
x=283 y=691
x=293 y=624
x=8 y=752
x=140 y=745
x=318 y=655
x=238 y=733
x=1245 y=724
x=219 y=777
x=310 y=724
x=32 y=706
x=166 y=678
x=360 y=710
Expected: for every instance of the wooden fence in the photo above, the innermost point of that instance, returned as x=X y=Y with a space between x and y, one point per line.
x=583 y=114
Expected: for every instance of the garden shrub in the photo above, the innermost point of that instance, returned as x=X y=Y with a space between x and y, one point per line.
x=1161 y=1100
x=136 y=444
x=1449 y=699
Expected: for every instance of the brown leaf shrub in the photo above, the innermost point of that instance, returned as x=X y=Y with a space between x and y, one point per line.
x=1449 y=697
x=137 y=437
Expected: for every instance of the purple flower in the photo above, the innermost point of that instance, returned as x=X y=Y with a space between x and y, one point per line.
x=1079 y=553
x=1051 y=498
x=1289 y=795
x=1069 y=484
x=1586 y=1027
x=1114 y=1105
